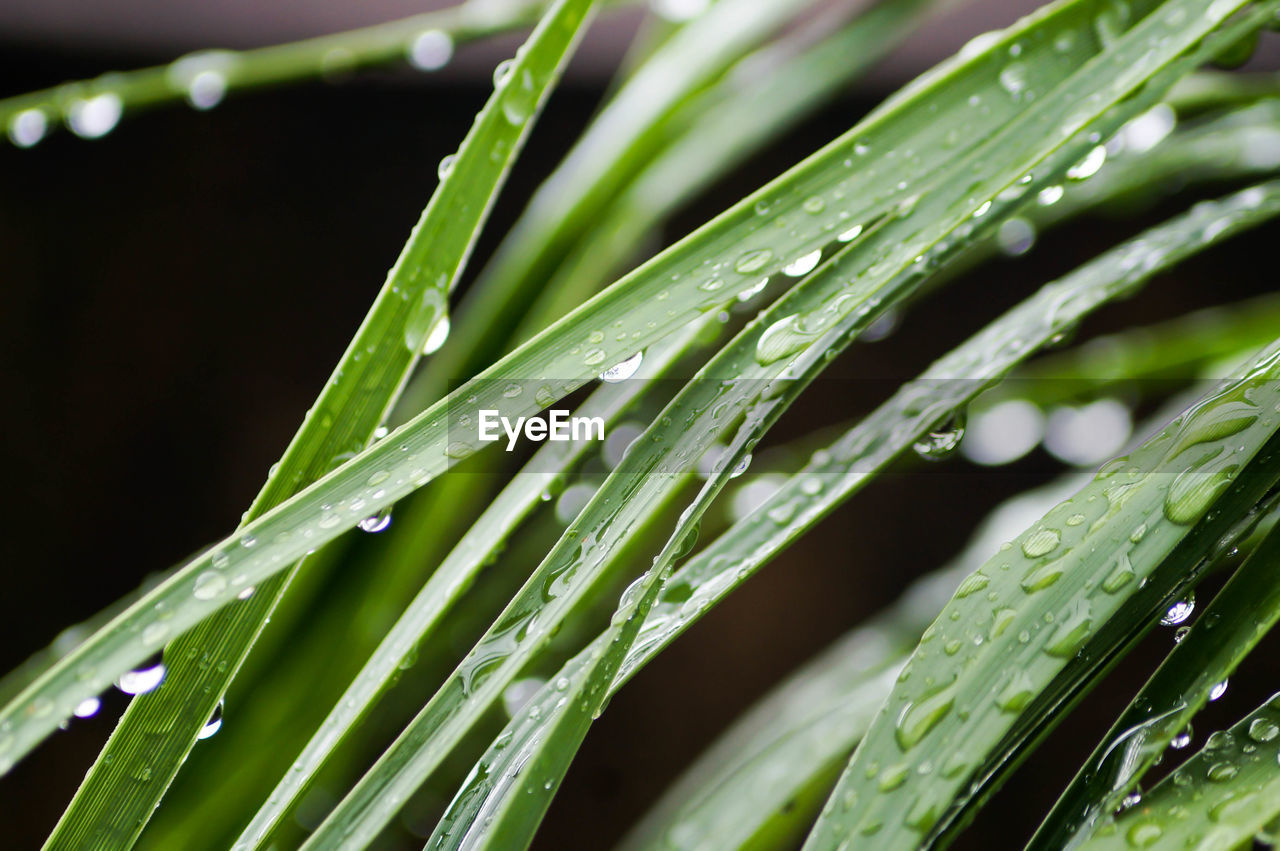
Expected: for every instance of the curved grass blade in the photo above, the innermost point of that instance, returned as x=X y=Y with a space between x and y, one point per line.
x=1179 y=349
x=627 y=131
x=762 y=95
x=674 y=288
x=160 y=727
x=749 y=789
x=737 y=382
x=1231 y=626
x=837 y=472
x=992 y=670
x=204 y=78
x=447 y=583
x=551 y=738
x=1222 y=797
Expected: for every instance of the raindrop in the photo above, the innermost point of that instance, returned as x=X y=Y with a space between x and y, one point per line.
x=941 y=440
x=143 y=678
x=431 y=50
x=881 y=327
x=502 y=72
x=27 y=127
x=206 y=89
x=741 y=466
x=802 y=266
x=850 y=235
x=87 y=708
x=376 y=522
x=94 y=117
x=1179 y=611
x=1263 y=730
x=446 y=166
x=1218 y=690
x=1181 y=740
x=437 y=336
x=209 y=585
x=1088 y=166
x=1016 y=236
x=753 y=261
x=753 y=290
x=624 y=370
x=1050 y=195
x=1013 y=79
x=213 y=725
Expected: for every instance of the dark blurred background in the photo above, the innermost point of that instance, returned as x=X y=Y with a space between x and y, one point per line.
x=176 y=293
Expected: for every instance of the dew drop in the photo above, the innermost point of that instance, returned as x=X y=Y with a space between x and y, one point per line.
x=624 y=370
x=376 y=522
x=1015 y=236
x=1050 y=195
x=1179 y=611
x=446 y=166
x=213 y=725
x=144 y=678
x=753 y=261
x=94 y=117
x=27 y=127
x=430 y=50
x=209 y=585
x=941 y=440
x=437 y=336
x=1263 y=730
x=802 y=266
x=850 y=235
x=87 y=708
x=1041 y=542
x=1218 y=690
x=1181 y=740
x=502 y=71
x=1088 y=166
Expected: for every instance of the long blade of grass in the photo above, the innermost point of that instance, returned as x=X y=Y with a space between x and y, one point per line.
x=1220 y=798
x=1091 y=564
x=677 y=286
x=626 y=133
x=1231 y=626
x=160 y=727
x=653 y=468
x=204 y=78
x=550 y=739
x=762 y=95
x=448 y=582
x=751 y=788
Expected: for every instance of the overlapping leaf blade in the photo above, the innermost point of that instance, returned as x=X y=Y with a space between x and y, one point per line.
x=1231 y=626
x=944 y=389
x=161 y=726
x=1220 y=798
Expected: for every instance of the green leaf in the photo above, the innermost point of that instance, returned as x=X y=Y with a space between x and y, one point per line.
x=924 y=206
x=1231 y=626
x=627 y=132
x=203 y=78
x=751 y=787
x=1047 y=613
x=1220 y=798
x=550 y=739
x=449 y=581
x=160 y=727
